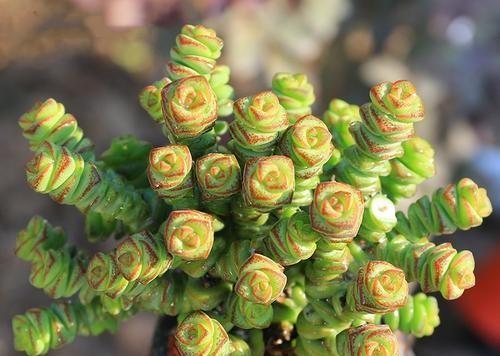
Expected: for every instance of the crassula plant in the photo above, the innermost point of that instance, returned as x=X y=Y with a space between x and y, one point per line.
x=285 y=240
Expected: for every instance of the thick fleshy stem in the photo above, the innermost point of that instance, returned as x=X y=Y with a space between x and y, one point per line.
x=328 y=263
x=258 y=122
x=48 y=121
x=292 y=301
x=379 y=218
x=412 y=168
x=386 y=123
x=436 y=268
x=457 y=206
x=366 y=340
x=308 y=144
x=295 y=94
x=198 y=334
x=419 y=317
x=176 y=293
x=70 y=179
x=40 y=330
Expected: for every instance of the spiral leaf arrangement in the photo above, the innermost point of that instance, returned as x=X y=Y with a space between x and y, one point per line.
x=412 y=168
x=456 y=206
x=287 y=237
x=386 y=123
x=70 y=179
x=39 y=330
x=48 y=121
x=308 y=143
x=367 y=340
x=435 y=267
x=419 y=317
x=258 y=121
x=295 y=94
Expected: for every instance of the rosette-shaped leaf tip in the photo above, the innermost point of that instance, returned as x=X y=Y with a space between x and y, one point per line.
x=399 y=99
x=189 y=107
x=169 y=170
x=268 y=182
x=368 y=340
x=459 y=275
x=465 y=203
x=200 y=335
x=308 y=144
x=189 y=234
x=261 y=280
x=258 y=120
x=337 y=211
x=195 y=53
x=379 y=288
x=295 y=94
x=218 y=176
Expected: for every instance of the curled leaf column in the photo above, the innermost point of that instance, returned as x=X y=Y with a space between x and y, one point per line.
x=246 y=314
x=196 y=51
x=457 y=206
x=219 y=79
x=436 y=268
x=200 y=335
x=386 y=122
x=39 y=234
x=70 y=179
x=189 y=108
x=292 y=240
x=379 y=218
x=175 y=294
x=219 y=178
x=295 y=94
x=367 y=340
x=40 y=330
x=228 y=266
x=338 y=118
x=60 y=273
x=48 y=121
x=308 y=144
x=170 y=175
x=258 y=121
x=150 y=99
x=377 y=288
x=142 y=257
x=419 y=317
x=412 y=168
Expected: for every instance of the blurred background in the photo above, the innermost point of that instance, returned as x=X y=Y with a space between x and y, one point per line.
x=96 y=55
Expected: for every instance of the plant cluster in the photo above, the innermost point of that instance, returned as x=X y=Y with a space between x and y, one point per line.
x=287 y=239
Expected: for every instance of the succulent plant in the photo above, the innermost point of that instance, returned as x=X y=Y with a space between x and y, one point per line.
x=287 y=239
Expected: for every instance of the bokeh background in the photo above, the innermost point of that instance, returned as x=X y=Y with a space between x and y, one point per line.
x=96 y=55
